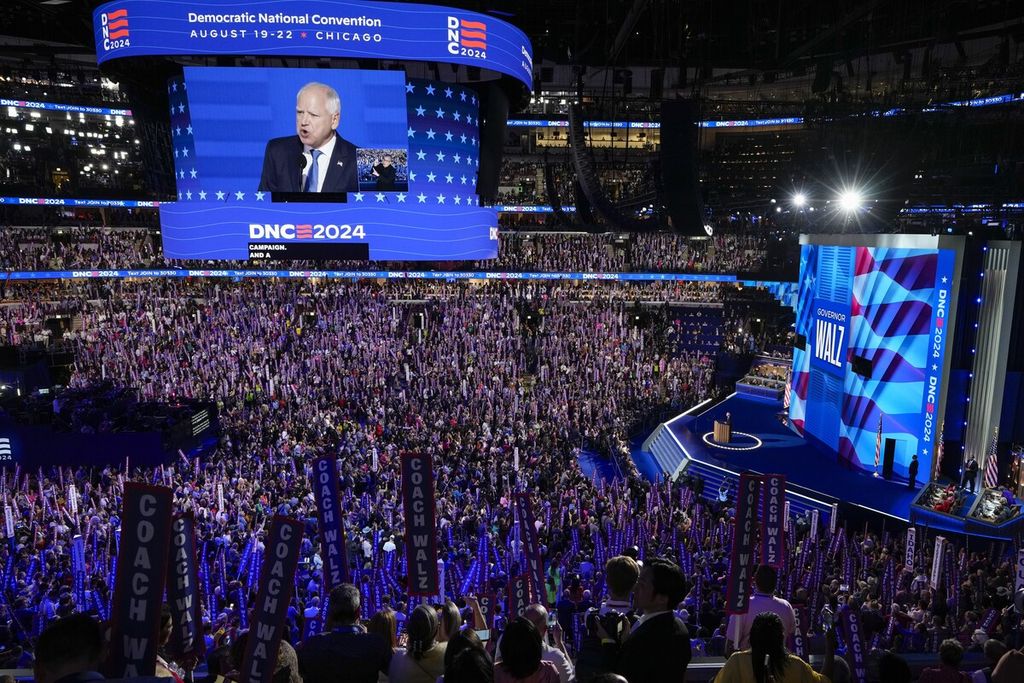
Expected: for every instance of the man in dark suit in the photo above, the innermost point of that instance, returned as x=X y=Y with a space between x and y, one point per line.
x=345 y=652
x=971 y=474
x=316 y=158
x=656 y=649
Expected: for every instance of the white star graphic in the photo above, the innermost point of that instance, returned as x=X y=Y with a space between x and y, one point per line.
x=469 y=119
x=412 y=176
x=924 y=451
x=420 y=111
x=457 y=116
x=239 y=195
x=449 y=178
x=463 y=180
x=179 y=196
x=409 y=87
x=472 y=141
x=401 y=197
x=934 y=367
x=430 y=133
x=430 y=90
x=440 y=156
x=181 y=174
x=220 y=195
x=177 y=131
x=181 y=108
x=202 y=194
x=448 y=136
x=358 y=196
x=945 y=279
x=474 y=99
x=192 y=173
x=259 y=196
x=380 y=196
x=412 y=133
x=172 y=110
x=462 y=95
x=184 y=152
x=430 y=177
x=440 y=199
x=457 y=158
x=422 y=197
x=421 y=155
x=439 y=112
x=174 y=86
x=458 y=199
x=448 y=93
x=189 y=130
x=469 y=161
x=175 y=154
x=188 y=194
x=463 y=137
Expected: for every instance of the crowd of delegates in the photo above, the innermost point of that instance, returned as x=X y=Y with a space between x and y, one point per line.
x=503 y=384
x=110 y=248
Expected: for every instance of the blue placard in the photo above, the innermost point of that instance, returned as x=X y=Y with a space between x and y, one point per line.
x=938 y=335
x=315 y=28
x=830 y=336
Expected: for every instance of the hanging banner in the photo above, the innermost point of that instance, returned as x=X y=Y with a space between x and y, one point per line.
x=535 y=564
x=911 y=549
x=183 y=596
x=420 y=532
x=518 y=596
x=940 y=549
x=773 y=521
x=741 y=566
x=139 y=584
x=815 y=521
x=330 y=522
x=283 y=546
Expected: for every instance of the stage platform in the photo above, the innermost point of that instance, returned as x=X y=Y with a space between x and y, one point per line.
x=763 y=442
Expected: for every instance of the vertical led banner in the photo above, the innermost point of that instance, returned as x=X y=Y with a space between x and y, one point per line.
x=533 y=557
x=183 y=595
x=420 y=532
x=518 y=595
x=741 y=566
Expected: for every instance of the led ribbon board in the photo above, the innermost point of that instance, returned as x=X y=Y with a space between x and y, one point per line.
x=316 y=28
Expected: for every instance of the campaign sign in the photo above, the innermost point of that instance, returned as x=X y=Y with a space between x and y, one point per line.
x=911 y=549
x=518 y=596
x=283 y=545
x=420 y=533
x=855 y=651
x=830 y=336
x=533 y=558
x=139 y=586
x=741 y=567
x=314 y=28
x=486 y=602
x=183 y=595
x=330 y=520
x=773 y=528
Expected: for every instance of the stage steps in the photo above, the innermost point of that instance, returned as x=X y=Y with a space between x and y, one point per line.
x=663 y=448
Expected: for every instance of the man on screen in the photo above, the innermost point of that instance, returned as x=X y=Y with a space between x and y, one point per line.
x=384 y=172
x=316 y=159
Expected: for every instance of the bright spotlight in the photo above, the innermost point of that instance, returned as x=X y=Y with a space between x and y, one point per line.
x=799 y=199
x=850 y=200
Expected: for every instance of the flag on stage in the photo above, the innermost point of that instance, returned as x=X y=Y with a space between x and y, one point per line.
x=992 y=462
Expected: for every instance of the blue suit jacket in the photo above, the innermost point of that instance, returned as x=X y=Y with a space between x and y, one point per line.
x=282 y=171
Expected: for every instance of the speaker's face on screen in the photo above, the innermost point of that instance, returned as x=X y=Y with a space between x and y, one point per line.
x=313 y=122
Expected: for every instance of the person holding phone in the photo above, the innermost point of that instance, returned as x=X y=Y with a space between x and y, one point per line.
x=766 y=579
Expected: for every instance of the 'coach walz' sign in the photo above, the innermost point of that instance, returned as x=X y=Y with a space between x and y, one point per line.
x=139 y=586
x=326 y=489
x=420 y=536
x=283 y=545
x=183 y=595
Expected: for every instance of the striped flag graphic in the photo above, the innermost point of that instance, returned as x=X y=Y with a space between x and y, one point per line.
x=992 y=462
x=878 y=443
x=473 y=34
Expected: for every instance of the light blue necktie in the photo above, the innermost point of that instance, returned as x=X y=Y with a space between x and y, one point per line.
x=314 y=172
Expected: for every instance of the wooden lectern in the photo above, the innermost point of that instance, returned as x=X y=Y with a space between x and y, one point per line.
x=723 y=431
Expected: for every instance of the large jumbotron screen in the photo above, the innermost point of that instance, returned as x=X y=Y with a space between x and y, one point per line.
x=873 y=326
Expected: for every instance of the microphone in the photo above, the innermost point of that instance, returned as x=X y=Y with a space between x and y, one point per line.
x=303 y=162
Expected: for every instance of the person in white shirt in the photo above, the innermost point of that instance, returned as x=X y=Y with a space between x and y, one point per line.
x=538 y=616
x=763 y=600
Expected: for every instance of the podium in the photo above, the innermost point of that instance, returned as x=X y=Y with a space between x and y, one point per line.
x=723 y=431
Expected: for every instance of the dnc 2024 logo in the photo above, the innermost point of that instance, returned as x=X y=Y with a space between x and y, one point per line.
x=467 y=38
x=114 y=27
